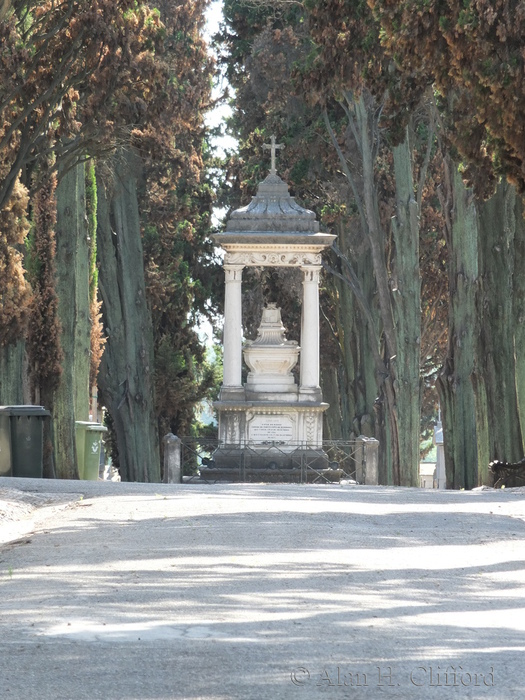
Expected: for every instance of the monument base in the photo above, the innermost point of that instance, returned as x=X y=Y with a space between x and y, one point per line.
x=263 y=440
x=253 y=423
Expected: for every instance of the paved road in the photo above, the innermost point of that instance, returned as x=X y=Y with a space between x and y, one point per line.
x=259 y=592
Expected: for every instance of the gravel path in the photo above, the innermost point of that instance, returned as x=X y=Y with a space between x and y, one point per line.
x=259 y=592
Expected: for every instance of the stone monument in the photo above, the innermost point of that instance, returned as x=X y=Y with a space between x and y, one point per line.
x=271 y=409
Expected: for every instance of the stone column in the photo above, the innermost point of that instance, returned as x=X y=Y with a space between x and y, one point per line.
x=310 y=334
x=232 y=328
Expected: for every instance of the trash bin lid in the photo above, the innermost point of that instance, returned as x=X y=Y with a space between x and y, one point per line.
x=25 y=410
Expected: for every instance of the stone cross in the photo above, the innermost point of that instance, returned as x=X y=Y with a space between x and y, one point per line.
x=273 y=147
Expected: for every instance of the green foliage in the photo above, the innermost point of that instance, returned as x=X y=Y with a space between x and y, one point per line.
x=472 y=53
x=181 y=274
x=72 y=77
x=300 y=170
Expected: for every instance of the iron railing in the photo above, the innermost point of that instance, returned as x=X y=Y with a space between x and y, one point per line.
x=206 y=460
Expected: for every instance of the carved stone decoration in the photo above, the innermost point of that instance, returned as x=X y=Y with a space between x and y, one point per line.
x=232 y=271
x=232 y=432
x=310 y=428
x=271 y=359
x=271 y=331
x=272 y=259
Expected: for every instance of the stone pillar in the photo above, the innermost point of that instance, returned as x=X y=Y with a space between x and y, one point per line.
x=367 y=459
x=309 y=387
x=232 y=366
x=172 y=459
x=441 y=477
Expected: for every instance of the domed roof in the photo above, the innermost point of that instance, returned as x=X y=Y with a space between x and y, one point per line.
x=272 y=210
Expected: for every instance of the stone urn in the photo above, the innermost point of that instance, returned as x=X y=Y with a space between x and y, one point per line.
x=271 y=357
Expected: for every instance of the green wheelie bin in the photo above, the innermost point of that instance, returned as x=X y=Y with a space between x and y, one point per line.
x=89 y=441
x=22 y=441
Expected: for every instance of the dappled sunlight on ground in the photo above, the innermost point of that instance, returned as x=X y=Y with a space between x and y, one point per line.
x=251 y=578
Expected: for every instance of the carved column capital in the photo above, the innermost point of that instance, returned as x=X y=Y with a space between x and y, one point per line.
x=311 y=273
x=233 y=273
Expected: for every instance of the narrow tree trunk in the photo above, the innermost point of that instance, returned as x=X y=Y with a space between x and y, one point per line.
x=407 y=314
x=126 y=373
x=352 y=387
x=332 y=394
x=347 y=371
x=519 y=314
x=482 y=425
x=338 y=384
x=366 y=381
x=376 y=237
x=82 y=340
x=71 y=398
x=497 y=229
x=334 y=379
x=455 y=382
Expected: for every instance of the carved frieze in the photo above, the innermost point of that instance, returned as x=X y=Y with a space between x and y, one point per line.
x=272 y=259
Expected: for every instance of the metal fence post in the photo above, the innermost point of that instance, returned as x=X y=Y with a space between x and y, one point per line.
x=367 y=459
x=172 y=459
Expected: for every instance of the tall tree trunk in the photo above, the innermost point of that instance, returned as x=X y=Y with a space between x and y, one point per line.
x=352 y=387
x=71 y=398
x=518 y=296
x=82 y=339
x=497 y=236
x=340 y=382
x=407 y=314
x=346 y=372
x=455 y=386
x=395 y=346
x=400 y=306
x=376 y=237
x=126 y=372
